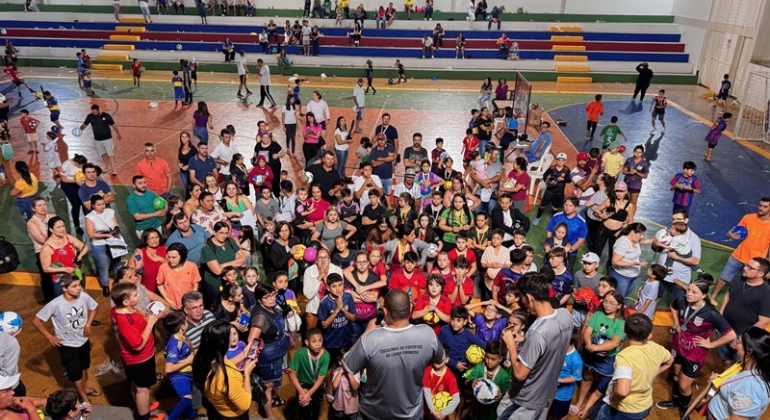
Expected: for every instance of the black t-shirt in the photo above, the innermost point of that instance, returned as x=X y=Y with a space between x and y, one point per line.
x=746 y=304
x=552 y=181
x=269 y=151
x=326 y=179
x=371 y=278
x=484 y=135
x=101 y=124
x=373 y=213
x=416 y=155
x=391 y=133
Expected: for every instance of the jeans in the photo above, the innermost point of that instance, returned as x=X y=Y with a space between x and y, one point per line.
x=342 y=161
x=482 y=147
x=428 y=12
x=71 y=191
x=202 y=133
x=483 y=99
x=387 y=185
x=625 y=283
x=316 y=47
x=25 y=206
x=185 y=176
x=104 y=263
x=609 y=413
x=487 y=207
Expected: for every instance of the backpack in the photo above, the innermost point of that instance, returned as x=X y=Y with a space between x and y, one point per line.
x=9 y=258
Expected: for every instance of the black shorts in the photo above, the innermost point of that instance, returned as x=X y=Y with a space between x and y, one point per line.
x=242 y=78
x=559 y=409
x=138 y=76
x=690 y=369
x=555 y=199
x=142 y=374
x=634 y=190
x=19 y=83
x=194 y=75
x=75 y=360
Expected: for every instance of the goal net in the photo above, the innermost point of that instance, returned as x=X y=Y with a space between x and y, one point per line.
x=521 y=96
x=753 y=121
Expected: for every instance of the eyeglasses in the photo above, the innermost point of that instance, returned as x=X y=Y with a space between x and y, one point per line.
x=750 y=268
x=610 y=303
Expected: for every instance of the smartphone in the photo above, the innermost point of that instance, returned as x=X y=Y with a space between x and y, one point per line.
x=253 y=350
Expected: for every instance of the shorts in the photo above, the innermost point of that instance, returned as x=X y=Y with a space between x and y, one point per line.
x=578 y=316
x=194 y=75
x=360 y=114
x=722 y=97
x=634 y=190
x=554 y=199
x=182 y=383
x=323 y=124
x=19 y=83
x=270 y=364
x=75 y=360
x=32 y=138
x=658 y=113
x=138 y=75
x=559 y=409
x=690 y=369
x=242 y=78
x=732 y=268
x=55 y=116
x=712 y=145
x=141 y=374
x=179 y=94
x=105 y=147
x=306 y=41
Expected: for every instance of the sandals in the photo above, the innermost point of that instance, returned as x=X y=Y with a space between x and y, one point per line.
x=94 y=392
x=278 y=401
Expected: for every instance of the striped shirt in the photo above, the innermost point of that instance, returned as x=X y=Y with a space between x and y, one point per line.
x=193 y=333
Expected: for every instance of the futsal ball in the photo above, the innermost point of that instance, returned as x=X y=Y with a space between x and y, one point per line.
x=3 y=31
x=390 y=81
x=153 y=104
x=431 y=318
x=259 y=179
x=441 y=400
x=55 y=129
x=664 y=236
x=156 y=308
x=622 y=149
x=307 y=178
x=2 y=98
x=448 y=185
x=38 y=95
x=77 y=132
x=741 y=231
x=142 y=69
x=485 y=391
x=300 y=254
x=10 y=322
x=584 y=296
x=159 y=203
x=432 y=248
x=179 y=47
x=474 y=354
x=80 y=176
x=323 y=76
x=735 y=103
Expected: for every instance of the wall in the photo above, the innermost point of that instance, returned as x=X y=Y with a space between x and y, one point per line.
x=625 y=7
x=695 y=9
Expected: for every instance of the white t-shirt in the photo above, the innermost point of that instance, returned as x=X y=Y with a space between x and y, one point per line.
x=649 y=291
x=358 y=92
x=102 y=222
x=225 y=153
x=240 y=62
x=427 y=42
x=306 y=33
x=343 y=135
x=358 y=182
x=264 y=75
x=681 y=271
x=289 y=115
x=631 y=253
x=320 y=109
x=69 y=168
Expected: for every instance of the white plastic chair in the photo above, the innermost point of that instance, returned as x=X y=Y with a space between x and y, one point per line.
x=536 y=173
x=534 y=166
x=540 y=188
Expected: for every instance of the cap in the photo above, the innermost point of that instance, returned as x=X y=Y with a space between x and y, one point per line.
x=613 y=145
x=590 y=257
x=409 y=172
x=9 y=382
x=583 y=156
x=261 y=157
x=561 y=156
x=620 y=186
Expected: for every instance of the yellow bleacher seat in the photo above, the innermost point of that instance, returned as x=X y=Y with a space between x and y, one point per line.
x=573 y=69
x=99 y=66
x=568 y=48
x=570 y=58
x=119 y=47
x=124 y=38
x=573 y=79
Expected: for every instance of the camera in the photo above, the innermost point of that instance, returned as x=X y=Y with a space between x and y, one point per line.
x=283 y=304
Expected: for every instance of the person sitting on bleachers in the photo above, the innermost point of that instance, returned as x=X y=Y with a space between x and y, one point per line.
x=502 y=47
x=427 y=45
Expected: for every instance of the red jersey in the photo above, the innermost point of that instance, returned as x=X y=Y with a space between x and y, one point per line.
x=449 y=280
x=593 y=110
x=468 y=286
x=469 y=145
x=413 y=285
x=29 y=125
x=439 y=382
x=135 y=68
x=470 y=255
x=129 y=328
x=443 y=305
x=12 y=74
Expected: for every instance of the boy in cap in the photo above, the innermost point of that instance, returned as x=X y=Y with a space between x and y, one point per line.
x=556 y=178
x=612 y=161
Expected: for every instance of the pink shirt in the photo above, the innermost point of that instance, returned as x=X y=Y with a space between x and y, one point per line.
x=319 y=212
x=522 y=179
x=313 y=129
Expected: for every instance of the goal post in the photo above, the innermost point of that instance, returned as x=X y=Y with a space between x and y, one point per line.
x=753 y=122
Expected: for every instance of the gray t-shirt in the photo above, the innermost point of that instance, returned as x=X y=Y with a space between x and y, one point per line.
x=9 y=355
x=415 y=155
x=581 y=280
x=270 y=208
x=194 y=332
x=395 y=360
x=543 y=353
x=329 y=235
x=69 y=318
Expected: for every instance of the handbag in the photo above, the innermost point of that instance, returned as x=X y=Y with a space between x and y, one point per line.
x=117 y=246
x=7 y=151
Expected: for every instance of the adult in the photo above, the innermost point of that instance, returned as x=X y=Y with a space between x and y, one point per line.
x=184 y=154
x=485 y=92
x=70 y=187
x=273 y=152
x=289 y=123
x=148 y=258
x=177 y=275
x=101 y=224
x=365 y=183
x=142 y=207
x=94 y=186
x=486 y=125
x=508 y=219
x=331 y=228
x=61 y=253
x=24 y=189
x=342 y=142
x=320 y=109
x=395 y=376
x=395 y=249
x=602 y=190
x=194 y=201
x=643 y=80
x=197 y=317
x=625 y=262
x=487 y=192
x=193 y=237
x=264 y=84
x=236 y=204
x=576 y=227
x=681 y=268
x=228 y=49
x=615 y=213
x=756 y=243
x=37 y=229
x=209 y=214
x=455 y=219
x=359 y=104
x=102 y=125
x=383 y=156
x=407 y=185
x=541 y=145
x=325 y=175
x=582 y=177
x=282 y=250
x=536 y=366
x=390 y=132
x=223 y=154
x=268 y=324
x=243 y=73
x=313 y=140
x=202 y=122
x=227 y=388
x=201 y=164
x=517 y=184
x=155 y=171
x=220 y=251
x=746 y=304
x=501 y=91
x=314 y=277
x=635 y=170
x=414 y=155
x=379 y=232
x=458 y=187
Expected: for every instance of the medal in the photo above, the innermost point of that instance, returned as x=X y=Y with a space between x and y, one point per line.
x=683 y=328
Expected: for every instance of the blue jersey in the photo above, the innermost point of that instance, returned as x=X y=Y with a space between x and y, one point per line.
x=336 y=335
x=572 y=367
x=576 y=227
x=176 y=351
x=562 y=284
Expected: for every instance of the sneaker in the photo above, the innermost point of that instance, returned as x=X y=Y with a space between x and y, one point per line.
x=666 y=405
x=240 y=95
x=670 y=270
x=663 y=131
x=683 y=410
x=248 y=92
x=536 y=221
x=652 y=131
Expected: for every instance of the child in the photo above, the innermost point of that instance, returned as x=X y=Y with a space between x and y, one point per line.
x=571 y=373
x=72 y=314
x=229 y=275
x=29 y=125
x=587 y=277
x=11 y=72
x=303 y=206
x=648 y=293
x=463 y=283
x=230 y=307
x=136 y=70
x=307 y=372
x=266 y=172
x=563 y=279
x=435 y=208
x=433 y=307
x=436 y=156
x=342 y=257
x=178 y=84
x=519 y=239
x=236 y=351
x=405 y=212
x=409 y=278
x=53 y=105
x=556 y=178
x=658 y=109
x=179 y=356
x=479 y=168
x=175 y=206
x=458 y=338
x=470 y=144
x=724 y=92
x=427 y=180
x=558 y=240
x=462 y=250
x=401 y=75
x=473 y=124
x=436 y=379
x=715 y=133
x=529 y=265
x=344 y=392
x=268 y=235
x=685 y=185
x=250 y=279
x=595 y=160
x=286 y=297
x=490 y=324
x=338 y=14
x=610 y=132
x=336 y=312
x=510 y=275
x=295 y=92
x=612 y=161
x=492 y=371
x=364 y=150
x=680 y=244
x=51 y=153
x=593 y=111
x=512 y=297
x=347 y=208
x=137 y=345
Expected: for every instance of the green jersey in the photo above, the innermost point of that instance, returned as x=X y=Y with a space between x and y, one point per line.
x=610 y=134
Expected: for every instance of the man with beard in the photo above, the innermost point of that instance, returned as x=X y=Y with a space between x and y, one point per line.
x=193 y=237
x=141 y=206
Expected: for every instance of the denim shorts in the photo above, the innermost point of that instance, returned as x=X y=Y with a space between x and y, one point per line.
x=732 y=268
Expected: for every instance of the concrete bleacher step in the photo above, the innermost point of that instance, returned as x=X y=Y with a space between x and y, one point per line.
x=112 y=57
x=131 y=19
x=574 y=79
x=568 y=48
x=570 y=58
x=573 y=69
x=566 y=38
x=130 y=28
x=111 y=67
x=119 y=47
x=566 y=28
x=125 y=38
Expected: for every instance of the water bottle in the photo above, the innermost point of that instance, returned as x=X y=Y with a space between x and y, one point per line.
x=2 y=173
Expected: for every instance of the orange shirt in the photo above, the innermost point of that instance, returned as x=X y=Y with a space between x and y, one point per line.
x=177 y=283
x=594 y=109
x=757 y=243
x=154 y=172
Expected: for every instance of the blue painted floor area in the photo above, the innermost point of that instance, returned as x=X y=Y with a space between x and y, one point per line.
x=731 y=185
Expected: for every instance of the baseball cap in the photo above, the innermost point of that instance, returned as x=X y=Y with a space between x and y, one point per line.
x=613 y=145
x=590 y=257
x=9 y=382
x=561 y=156
x=620 y=186
x=583 y=156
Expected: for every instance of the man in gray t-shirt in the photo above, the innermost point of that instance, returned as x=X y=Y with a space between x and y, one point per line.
x=395 y=359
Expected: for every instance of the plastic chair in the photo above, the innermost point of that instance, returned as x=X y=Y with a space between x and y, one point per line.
x=536 y=173
x=540 y=188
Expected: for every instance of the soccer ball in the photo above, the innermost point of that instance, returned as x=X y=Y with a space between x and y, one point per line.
x=323 y=76
x=259 y=179
x=485 y=391
x=179 y=47
x=300 y=254
x=80 y=176
x=152 y=104
x=474 y=354
x=741 y=231
x=441 y=400
x=156 y=308
x=431 y=318
x=390 y=81
x=142 y=69
x=735 y=103
x=77 y=132
x=432 y=248
x=584 y=295
x=159 y=203
x=2 y=98
x=664 y=236
x=3 y=31
x=55 y=129
x=38 y=95
x=307 y=178
x=10 y=322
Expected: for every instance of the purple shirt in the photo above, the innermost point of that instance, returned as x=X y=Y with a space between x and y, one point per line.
x=684 y=198
x=486 y=333
x=200 y=119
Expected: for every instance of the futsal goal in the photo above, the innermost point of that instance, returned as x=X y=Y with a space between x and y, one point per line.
x=753 y=122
